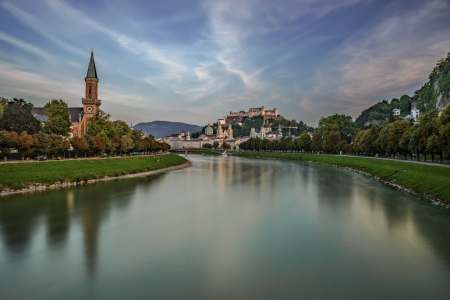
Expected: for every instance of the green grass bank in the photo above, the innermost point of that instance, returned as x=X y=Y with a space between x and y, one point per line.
x=425 y=179
x=206 y=152
x=18 y=175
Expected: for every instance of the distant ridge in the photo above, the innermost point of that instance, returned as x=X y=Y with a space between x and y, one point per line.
x=160 y=129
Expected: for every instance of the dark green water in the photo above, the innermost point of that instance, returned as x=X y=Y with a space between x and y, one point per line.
x=226 y=228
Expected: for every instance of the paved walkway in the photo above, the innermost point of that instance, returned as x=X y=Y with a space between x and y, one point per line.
x=444 y=164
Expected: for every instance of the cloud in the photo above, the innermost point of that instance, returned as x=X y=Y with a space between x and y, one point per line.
x=24 y=46
x=387 y=59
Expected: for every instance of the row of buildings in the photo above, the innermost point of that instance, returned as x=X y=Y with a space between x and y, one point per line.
x=182 y=140
x=415 y=114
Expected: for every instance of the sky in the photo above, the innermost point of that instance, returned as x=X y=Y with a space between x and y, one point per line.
x=195 y=61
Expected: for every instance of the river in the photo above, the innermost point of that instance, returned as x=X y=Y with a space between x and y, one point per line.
x=226 y=228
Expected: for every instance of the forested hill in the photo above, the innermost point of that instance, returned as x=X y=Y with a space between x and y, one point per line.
x=160 y=129
x=436 y=92
x=433 y=94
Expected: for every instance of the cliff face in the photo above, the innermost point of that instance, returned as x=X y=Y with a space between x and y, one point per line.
x=436 y=92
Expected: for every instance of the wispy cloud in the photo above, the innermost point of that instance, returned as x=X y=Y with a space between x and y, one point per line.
x=24 y=46
x=385 y=59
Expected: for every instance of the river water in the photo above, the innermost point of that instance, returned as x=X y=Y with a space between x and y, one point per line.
x=226 y=228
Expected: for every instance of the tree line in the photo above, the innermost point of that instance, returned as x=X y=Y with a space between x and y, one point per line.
x=338 y=133
x=21 y=131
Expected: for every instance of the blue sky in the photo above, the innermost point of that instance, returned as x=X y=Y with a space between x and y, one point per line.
x=194 y=61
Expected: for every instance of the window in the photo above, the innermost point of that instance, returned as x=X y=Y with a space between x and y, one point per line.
x=90 y=90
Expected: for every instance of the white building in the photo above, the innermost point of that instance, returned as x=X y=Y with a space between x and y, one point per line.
x=266 y=132
x=415 y=114
x=396 y=111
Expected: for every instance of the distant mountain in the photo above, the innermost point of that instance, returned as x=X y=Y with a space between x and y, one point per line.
x=160 y=129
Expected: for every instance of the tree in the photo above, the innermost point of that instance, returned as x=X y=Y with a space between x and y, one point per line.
x=121 y=128
x=106 y=141
x=26 y=144
x=8 y=141
x=403 y=144
x=207 y=146
x=304 y=141
x=433 y=146
x=369 y=140
x=115 y=144
x=100 y=144
x=17 y=117
x=345 y=124
x=59 y=121
x=127 y=144
x=316 y=143
x=43 y=143
x=395 y=133
x=79 y=144
x=341 y=145
x=136 y=135
x=91 y=142
x=443 y=126
x=226 y=146
x=55 y=142
x=215 y=145
x=3 y=104
x=331 y=136
x=414 y=142
x=100 y=122
x=65 y=146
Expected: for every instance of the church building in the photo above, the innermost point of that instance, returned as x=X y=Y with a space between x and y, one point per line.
x=91 y=104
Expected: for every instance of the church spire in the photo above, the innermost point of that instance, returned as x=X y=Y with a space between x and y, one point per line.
x=92 y=72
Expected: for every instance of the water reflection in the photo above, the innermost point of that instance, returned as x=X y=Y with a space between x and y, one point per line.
x=20 y=215
x=226 y=228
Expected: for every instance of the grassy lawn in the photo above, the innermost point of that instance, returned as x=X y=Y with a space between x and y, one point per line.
x=422 y=178
x=17 y=175
x=206 y=152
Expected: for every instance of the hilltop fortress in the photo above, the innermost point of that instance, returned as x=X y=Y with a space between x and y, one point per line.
x=236 y=117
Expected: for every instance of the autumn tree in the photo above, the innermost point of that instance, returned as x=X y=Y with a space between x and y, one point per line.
x=106 y=141
x=8 y=141
x=59 y=121
x=100 y=144
x=127 y=144
x=79 y=144
x=115 y=144
x=316 y=143
x=215 y=145
x=26 y=144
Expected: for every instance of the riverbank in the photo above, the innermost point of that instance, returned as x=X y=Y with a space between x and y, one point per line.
x=206 y=152
x=428 y=180
x=23 y=177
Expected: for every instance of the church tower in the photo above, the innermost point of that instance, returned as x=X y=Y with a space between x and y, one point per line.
x=91 y=103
